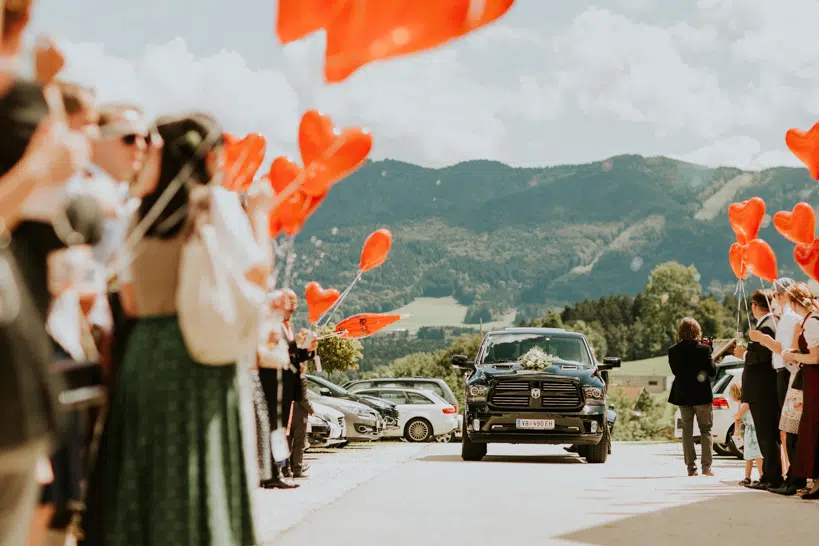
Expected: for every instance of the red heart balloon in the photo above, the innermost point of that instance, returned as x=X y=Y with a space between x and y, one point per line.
x=242 y=160
x=329 y=154
x=319 y=300
x=369 y=30
x=761 y=260
x=292 y=213
x=807 y=257
x=798 y=226
x=746 y=218
x=376 y=249
x=282 y=173
x=736 y=257
x=805 y=146
x=298 y=18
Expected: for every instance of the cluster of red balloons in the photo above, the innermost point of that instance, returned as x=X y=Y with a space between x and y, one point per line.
x=750 y=255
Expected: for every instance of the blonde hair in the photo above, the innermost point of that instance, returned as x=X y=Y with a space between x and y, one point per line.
x=735 y=390
x=800 y=294
x=689 y=330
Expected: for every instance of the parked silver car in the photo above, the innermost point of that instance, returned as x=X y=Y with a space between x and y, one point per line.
x=362 y=423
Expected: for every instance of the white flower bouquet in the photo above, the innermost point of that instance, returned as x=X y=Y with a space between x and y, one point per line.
x=536 y=360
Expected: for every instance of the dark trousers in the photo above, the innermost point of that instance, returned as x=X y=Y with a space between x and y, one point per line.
x=766 y=421
x=270 y=385
x=783 y=377
x=298 y=437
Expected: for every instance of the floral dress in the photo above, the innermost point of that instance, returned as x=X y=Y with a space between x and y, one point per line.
x=750 y=440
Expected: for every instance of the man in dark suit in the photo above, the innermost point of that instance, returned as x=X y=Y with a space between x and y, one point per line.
x=693 y=368
x=759 y=391
x=302 y=410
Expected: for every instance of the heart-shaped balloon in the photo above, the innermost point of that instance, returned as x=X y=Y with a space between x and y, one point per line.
x=282 y=173
x=292 y=213
x=319 y=300
x=242 y=160
x=370 y=30
x=376 y=249
x=736 y=257
x=298 y=18
x=805 y=146
x=807 y=258
x=761 y=260
x=797 y=226
x=329 y=154
x=746 y=218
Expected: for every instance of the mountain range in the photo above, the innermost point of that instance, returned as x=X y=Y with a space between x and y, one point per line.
x=498 y=237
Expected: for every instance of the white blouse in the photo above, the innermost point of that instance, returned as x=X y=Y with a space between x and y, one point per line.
x=811 y=333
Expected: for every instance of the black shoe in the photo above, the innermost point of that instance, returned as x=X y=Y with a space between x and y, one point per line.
x=811 y=496
x=759 y=486
x=278 y=483
x=786 y=490
x=287 y=473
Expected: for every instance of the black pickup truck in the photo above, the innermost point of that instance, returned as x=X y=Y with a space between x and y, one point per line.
x=562 y=403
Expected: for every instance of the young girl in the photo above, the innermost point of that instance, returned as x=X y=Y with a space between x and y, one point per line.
x=752 y=451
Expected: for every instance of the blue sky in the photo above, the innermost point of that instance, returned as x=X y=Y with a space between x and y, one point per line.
x=711 y=81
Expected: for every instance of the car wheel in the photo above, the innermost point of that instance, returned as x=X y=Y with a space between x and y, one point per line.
x=418 y=430
x=722 y=450
x=472 y=451
x=600 y=453
x=736 y=451
x=445 y=438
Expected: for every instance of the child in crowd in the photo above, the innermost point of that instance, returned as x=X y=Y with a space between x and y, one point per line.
x=743 y=417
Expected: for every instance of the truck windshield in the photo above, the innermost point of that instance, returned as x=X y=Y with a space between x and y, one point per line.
x=507 y=348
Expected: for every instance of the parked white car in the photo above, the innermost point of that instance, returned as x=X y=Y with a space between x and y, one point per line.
x=422 y=414
x=724 y=411
x=326 y=417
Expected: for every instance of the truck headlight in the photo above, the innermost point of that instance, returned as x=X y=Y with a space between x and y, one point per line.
x=477 y=393
x=594 y=395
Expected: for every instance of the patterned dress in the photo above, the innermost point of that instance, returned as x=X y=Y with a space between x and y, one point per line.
x=750 y=441
x=792 y=408
x=262 y=429
x=175 y=471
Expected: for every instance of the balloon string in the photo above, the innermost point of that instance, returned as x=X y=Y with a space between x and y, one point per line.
x=770 y=307
x=747 y=310
x=737 y=291
x=289 y=261
x=324 y=318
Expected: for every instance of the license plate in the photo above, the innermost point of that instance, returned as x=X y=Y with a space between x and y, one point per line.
x=535 y=424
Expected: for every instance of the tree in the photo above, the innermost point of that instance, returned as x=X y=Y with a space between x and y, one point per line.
x=338 y=354
x=551 y=320
x=714 y=318
x=672 y=293
x=594 y=333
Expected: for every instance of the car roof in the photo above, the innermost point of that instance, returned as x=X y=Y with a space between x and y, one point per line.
x=402 y=389
x=385 y=379
x=522 y=330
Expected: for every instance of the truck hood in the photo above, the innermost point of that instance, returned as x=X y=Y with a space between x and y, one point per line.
x=488 y=372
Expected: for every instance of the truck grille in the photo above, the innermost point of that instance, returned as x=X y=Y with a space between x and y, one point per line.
x=554 y=395
x=560 y=396
x=511 y=394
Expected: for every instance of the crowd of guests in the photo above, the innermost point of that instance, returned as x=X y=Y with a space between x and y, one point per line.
x=778 y=396
x=96 y=205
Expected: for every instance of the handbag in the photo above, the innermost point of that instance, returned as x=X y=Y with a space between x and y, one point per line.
x=220 y=311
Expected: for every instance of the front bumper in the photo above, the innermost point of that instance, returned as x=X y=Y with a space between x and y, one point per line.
x=570 y=428
x=365 y=429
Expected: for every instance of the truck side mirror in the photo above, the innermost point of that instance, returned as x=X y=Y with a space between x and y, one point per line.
x=461 y=362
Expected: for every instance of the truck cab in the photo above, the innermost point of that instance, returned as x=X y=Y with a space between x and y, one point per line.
x=561 y=402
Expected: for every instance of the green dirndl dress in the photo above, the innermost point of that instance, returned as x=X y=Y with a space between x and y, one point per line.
x=175 y=462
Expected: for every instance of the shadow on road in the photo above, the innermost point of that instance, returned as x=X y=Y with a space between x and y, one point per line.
x=739 y=518
x=526 y=459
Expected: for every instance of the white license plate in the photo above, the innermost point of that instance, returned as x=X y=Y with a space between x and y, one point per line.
x=535 y=424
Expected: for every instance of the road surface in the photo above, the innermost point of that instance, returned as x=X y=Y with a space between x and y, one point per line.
x=397 y=494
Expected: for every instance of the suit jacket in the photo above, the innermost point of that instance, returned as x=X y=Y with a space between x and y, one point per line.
x=305 y=401
x=693 y=369
x=759 y=376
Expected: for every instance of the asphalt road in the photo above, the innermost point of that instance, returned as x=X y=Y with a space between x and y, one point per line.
x=400 y=494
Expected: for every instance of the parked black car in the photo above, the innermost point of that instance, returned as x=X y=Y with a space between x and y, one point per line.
x=386 y=409
x=564 y=403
